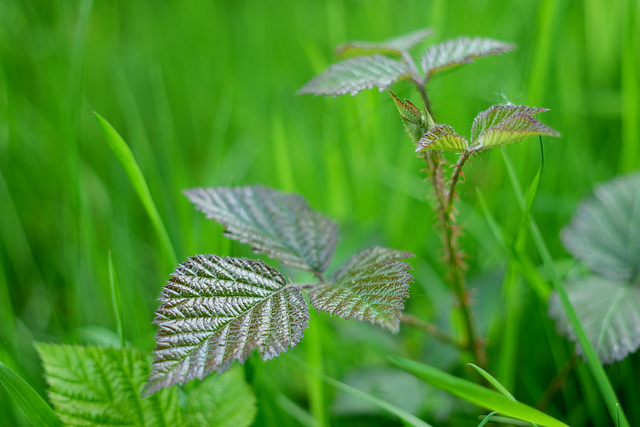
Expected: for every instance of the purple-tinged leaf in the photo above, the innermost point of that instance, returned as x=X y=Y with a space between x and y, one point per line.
x=357 y=74
x=372 y=286
x=281 y=225
x=216 y=310
x=393 y=46
x=442 y=137
x=504 y=124
x=461 y=51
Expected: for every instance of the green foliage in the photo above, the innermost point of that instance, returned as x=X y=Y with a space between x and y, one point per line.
x=101 y=386
x=280 y=225
x=605 y=235
x=371 y=286
x=215 y=310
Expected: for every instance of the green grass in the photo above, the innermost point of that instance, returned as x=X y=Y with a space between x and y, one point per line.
x=203 y=93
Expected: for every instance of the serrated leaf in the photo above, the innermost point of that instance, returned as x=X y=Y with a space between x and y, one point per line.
x=605 y=231
x=461 y=51
x=356 y=74
x=281 y=225
x=101 y=386
x=392 y=46
x=372 y=286
x=504 y=124
x=221 y=401
x=609 y=312
x=442 y=137
x=215 y=310
x=415 y=121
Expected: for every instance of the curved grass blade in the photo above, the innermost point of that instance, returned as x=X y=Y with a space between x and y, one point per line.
x=372 y=286
x=487 y=418
x=392 y=46
x=33 y=405
x=281 y=225
x=215 y=310
x=494 y=382
x=357 y=74
x=128 y=162
x=476 y=394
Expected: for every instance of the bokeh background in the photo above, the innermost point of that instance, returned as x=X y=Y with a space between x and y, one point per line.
x=204 y=93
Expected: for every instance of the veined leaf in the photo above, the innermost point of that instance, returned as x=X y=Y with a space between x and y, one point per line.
x=101 y=386
x=461 y=51
x=215 y=310
x=221 y=401
x=609 y=312
x=392 y=46
x=415 y=121
x=371 y=287
x=605 y=231
x=504 y=124
x=280 y=225
x=442 y=137
x=356 y=74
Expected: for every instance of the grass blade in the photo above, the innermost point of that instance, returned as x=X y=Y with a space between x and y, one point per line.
x=115 y=300
x=476 y=394
x=597 y=371
x=130 y=166
x=33 y=405
x=494 y=382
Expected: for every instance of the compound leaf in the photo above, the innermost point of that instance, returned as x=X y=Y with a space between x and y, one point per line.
x=222 y=401
x=215 y=310
x=605 y=231
x=504 y=124
x=461 y=51
x=356 y=74
x=371 y=286
x=101 y=386
x=280 y=225
x=392 y=46
x=609 y=312
x=442 y=137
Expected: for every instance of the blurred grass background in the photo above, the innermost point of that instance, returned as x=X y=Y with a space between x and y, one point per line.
x=205 y=95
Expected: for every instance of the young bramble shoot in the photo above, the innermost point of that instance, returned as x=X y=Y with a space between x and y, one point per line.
x=216 y=310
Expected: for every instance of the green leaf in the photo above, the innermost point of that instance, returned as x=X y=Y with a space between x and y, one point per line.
x=461 y=51
x=372 y=286
x=215 y=310
x=504 y=124
x=221 y=401
x=280 y=225
x=98 y=386
x=392 y=46
x=415 y=121
x=33 y=405
x=609 y=312
x=356 y=74
x=605 y=231
x=442 y=137
x=476 y=394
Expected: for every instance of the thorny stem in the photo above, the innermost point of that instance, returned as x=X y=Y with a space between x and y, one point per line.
x=421 y=82
x=557 y=383
x=431 y=329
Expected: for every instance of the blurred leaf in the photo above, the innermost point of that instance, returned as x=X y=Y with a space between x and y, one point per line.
x=371 y=286
x=442 y=137
x=504 y=124
x=476 y=394
x=280 y=225
x=35 y=408
x=222 y=401
x=605 y=231
x=101 y=386
x=356 y=74
x=392 y=46
x=461 y=51
x=415 y=121
x=215 y=310
x=609 y=312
